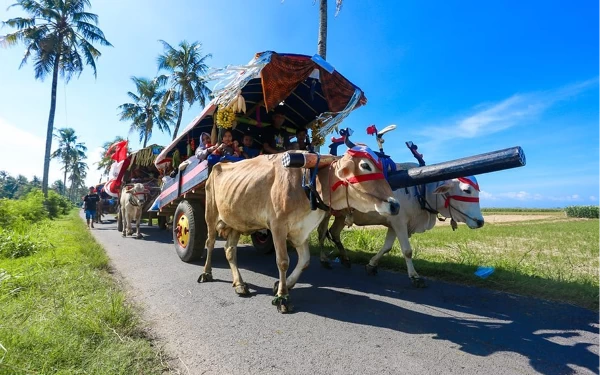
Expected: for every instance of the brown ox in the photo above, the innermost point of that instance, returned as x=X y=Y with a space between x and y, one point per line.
x=260 y=193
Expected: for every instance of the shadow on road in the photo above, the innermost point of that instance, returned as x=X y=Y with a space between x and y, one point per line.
x=480 y=322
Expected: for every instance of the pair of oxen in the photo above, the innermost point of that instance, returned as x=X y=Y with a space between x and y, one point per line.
x=271 y=197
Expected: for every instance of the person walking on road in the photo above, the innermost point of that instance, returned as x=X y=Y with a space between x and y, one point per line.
x=90 y=202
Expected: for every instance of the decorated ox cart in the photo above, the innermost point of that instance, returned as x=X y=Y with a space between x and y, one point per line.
x=137 y=166
x=314 y=97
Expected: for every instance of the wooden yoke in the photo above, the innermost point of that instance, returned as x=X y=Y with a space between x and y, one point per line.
x=304 y=159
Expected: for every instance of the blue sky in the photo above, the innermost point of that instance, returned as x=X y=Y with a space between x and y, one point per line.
x=457 y=78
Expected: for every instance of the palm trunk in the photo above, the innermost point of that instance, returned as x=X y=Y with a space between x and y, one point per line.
x=64 y=192
x=322 y=43
x=179 y=116
x=50 y=129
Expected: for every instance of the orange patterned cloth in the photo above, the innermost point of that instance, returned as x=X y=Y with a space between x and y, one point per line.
x=282 y=75
x=285 y=72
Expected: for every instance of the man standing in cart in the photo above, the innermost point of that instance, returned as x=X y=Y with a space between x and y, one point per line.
x=276 y=138
x=90 y=201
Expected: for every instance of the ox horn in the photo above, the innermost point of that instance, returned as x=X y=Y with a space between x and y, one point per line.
x=346 y=133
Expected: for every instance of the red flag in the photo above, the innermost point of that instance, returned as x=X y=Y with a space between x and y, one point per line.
x=371 y=130
x=120 y=151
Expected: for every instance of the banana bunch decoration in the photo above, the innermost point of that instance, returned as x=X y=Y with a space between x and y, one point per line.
x=317 y=138
x=239 y=103
x=225 y=117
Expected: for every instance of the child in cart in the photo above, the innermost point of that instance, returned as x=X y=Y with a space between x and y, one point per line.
x=226 y=151
x=247 y=151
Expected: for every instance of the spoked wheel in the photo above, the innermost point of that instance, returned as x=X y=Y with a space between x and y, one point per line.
x=262 y=241
x=189 y=231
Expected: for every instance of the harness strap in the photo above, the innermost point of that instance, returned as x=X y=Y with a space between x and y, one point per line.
x=459 y=198
x=357 y=179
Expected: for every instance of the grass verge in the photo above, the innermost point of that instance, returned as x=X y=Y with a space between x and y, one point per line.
x=555 y=260
x=61 y=311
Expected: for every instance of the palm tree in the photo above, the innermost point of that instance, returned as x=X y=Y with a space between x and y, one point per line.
x=106 y=162
x=146 y=109
x=58 y=187
x=68 y=150
x=322 y=42
x=60 y=34
x=77 y=176
x=36 y=183
x=185 y=67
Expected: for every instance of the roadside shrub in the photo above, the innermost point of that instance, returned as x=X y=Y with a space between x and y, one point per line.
x=57 y=205
x=589 y=212
x=29 y=209
x=14 y=245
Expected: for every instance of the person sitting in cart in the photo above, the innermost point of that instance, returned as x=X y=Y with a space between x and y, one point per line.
x=205 y=148
x=300 y=143
x=226 y=151
x=276 y=138
x=248 y=152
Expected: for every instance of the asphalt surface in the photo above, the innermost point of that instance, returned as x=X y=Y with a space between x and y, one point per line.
x=344 y=322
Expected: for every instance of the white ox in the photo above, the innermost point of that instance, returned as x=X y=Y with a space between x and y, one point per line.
x=457 y=199
x=132 y=202
x=260 y=193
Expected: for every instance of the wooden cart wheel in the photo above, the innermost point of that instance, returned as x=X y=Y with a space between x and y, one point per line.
x=189 y=231
x=263 y=241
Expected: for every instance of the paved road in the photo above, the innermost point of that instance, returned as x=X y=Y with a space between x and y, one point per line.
x=345 y=322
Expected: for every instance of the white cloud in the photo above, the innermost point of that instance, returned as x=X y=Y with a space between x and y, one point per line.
x=487 y=196
x=22 y=152
x=593 y=198
x=489 y=119
x=94 y=175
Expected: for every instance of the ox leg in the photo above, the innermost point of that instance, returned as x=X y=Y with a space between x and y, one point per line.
x=303 y=262
x=322 y=233
x=137 y=225
x=282 y=299
x=403 y=238
x=390 y=237
x=212 y=217
x=231 y=253
x=336 y=230
x=206 y=276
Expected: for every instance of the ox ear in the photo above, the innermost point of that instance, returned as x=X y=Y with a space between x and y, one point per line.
x=445 y=188
x=347 y=168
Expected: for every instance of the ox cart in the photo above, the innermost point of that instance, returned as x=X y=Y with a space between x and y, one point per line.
x=139 y=167
x=315 y=97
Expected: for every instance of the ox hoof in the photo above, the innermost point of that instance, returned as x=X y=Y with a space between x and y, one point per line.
x=346 y=262
x=371 y=270
x=325 y=264
x=283 y=304
x=205 y=278
x=122 y=234
x=139 y=236
x=275 y=287
x=242 y=290
x=418 y=282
